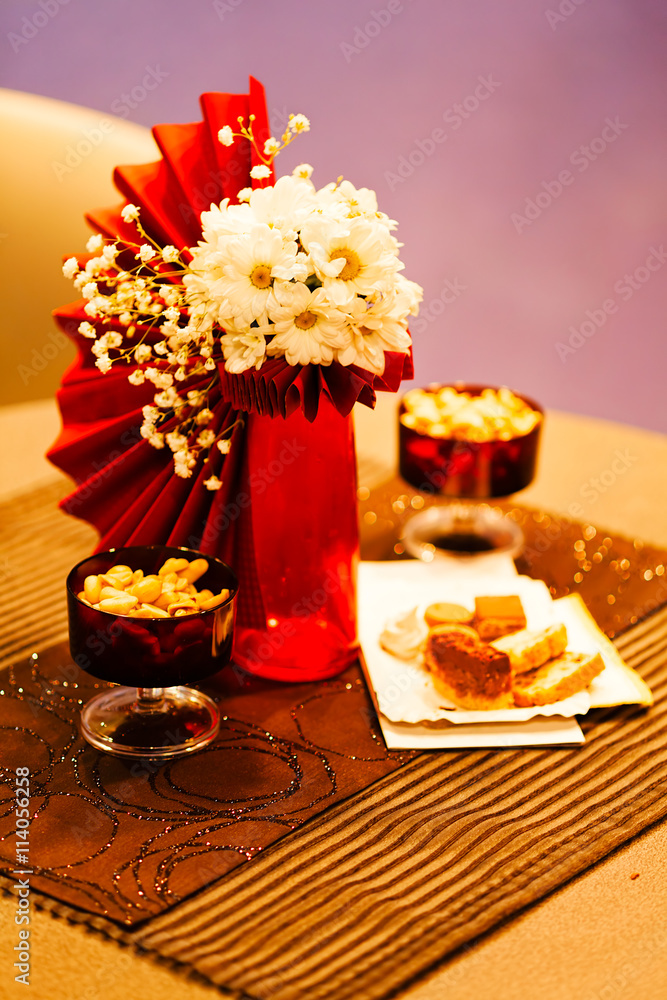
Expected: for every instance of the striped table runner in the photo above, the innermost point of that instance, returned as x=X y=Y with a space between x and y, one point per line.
x=377 y=890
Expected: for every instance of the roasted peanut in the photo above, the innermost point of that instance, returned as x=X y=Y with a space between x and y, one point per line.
x=171 y=593
x=173 y=565
x=213 y=602
x=147 y=590
x=194 y=570
x=91 y=588
x=118 y=605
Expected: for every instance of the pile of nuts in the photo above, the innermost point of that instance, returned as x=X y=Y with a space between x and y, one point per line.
x=171 y=593
x=494 y=415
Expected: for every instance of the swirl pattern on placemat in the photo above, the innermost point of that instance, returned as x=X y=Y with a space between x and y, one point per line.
x=127 y=839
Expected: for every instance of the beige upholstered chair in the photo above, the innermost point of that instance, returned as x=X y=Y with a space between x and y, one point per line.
x=56 y=163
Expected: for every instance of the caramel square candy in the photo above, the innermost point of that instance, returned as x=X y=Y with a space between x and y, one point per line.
x=498 y=615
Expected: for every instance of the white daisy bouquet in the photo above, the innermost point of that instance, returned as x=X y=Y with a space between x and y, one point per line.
x=283 y=271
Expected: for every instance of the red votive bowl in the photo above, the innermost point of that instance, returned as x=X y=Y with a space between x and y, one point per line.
x=457 y=467
x=151 y=652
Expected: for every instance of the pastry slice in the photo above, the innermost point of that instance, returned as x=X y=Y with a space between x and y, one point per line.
x=528 y=650
x=557 y=679
x=466 y=671
x=498 y=615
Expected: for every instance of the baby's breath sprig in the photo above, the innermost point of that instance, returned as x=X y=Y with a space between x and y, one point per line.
x=296 y=124
x=139 y=287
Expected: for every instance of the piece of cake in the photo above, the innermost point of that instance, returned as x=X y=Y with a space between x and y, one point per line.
x=557 y=679
x=528 y=650
x=466 y=671
x=498 y=615
x=444 y=613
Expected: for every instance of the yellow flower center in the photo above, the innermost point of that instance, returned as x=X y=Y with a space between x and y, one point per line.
x=305 y=320
x=352 y=264
x=261 y=276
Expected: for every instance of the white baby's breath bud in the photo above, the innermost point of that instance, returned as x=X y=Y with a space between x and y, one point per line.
x=172 y=314
x=89 y=290
x=150 y=413
x=244 y=194
x=114 y=339
x=205 y=439
x=303 y=170
x=87 y=330
x=70 y=267
x=224 y=444
x=259 y=172
x=205 y=352
x=146 y=252
x=103 y=363
x=226 y=136
x=170 y=294
x=160 y=348
x=169 y=254
x=95 y=243
x=271 y=147
x=125 y=318
x=142 y=353
x=180 y=374
x=176 y=441
x=157 y=440
x=298 y=123
x=130 y=213
x=209 y=365
x=109 y=254
x=137 y=377
x=204 y=416
x=212 y=483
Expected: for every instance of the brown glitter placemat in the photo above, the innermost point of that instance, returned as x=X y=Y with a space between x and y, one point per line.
x=127 y=839
x=374 y=891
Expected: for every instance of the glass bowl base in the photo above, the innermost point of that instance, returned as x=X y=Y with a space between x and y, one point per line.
x=461 y=531
x=157 y=722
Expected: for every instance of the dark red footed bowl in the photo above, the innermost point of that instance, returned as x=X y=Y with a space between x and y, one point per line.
x=151 y=652
x=468 y=469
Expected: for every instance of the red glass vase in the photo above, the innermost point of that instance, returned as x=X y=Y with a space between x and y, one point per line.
x=297 y=547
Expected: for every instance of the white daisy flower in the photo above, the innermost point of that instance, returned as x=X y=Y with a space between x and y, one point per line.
x=243 y=350
x=307 y=326
x=286 y=205
x=253 y=262
x=375 y=327
x=351 y=258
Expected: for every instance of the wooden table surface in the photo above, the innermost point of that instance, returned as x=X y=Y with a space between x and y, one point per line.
x=601 y=937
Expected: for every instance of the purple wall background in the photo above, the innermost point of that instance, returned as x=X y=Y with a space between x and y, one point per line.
x=376 y=80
